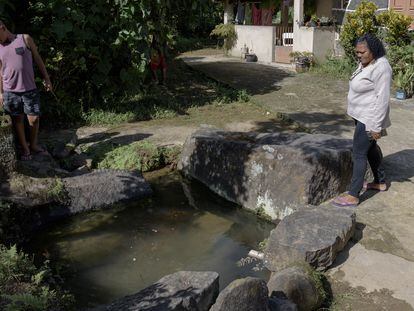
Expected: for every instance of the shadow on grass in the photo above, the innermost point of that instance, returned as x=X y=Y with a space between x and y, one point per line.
x=252 y=77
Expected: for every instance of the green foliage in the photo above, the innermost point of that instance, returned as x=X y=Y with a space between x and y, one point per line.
x=142 y=155
x=396 y=26
x=23 y=286
x=227 y=33
x=263 y=244
x=96 y=52
x=364 y=20
x=336 y=67
x=57 y=191
x=102 y=117
x=404 y=80
x=358 y=23
x=401 y=59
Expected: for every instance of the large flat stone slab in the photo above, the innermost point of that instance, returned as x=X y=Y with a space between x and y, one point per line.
x=103 y=188
x=313 y=235
x=56 y=198
x=271 y=174
x=181 y=291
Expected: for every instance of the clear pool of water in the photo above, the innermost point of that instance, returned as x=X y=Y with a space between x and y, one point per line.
x=122 y=250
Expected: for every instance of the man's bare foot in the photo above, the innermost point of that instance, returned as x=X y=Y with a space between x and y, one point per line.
x=38 y=150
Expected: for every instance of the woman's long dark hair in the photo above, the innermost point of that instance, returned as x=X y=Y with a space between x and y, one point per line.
x=373 y=43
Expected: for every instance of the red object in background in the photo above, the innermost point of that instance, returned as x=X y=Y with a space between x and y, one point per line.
x=257 y=15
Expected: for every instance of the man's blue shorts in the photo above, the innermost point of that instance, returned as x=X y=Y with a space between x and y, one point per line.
x=18 y=103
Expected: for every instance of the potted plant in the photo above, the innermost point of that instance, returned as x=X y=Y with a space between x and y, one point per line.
x=325 y=21
x=314 y=21
x=227 y=33
x=404 y=82
x=303 y=60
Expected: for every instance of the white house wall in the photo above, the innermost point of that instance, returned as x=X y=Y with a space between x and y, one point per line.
x=318 y=40
x=259 y=39
x=303 y=39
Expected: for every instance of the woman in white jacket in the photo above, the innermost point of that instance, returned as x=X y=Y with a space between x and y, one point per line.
x=368 y=105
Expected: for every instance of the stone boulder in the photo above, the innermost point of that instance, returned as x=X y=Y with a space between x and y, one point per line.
x=243 y=295
x=103 y=188
x=7 y=150
x=58 y=198
x=41 y=166
x=299 y=286
x=271 y=174
x=312 y=235
x=181 y=291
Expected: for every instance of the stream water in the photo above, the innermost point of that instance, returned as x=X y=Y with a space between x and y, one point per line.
x=184 y=226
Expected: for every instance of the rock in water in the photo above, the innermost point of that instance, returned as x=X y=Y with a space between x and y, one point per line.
x=181 y=291
x=103 y=188
x=243 y=295
x=271 y=174
x=313 y=235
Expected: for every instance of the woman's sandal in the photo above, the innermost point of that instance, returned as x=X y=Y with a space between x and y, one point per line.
x=374 y=186
x=342 y=201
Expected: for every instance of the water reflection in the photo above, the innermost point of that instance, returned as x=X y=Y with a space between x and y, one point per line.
x=183 y=227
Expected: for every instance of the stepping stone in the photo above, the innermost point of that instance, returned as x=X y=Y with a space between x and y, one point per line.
x=313 y=235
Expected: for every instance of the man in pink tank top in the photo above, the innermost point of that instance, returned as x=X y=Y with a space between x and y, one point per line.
x=18 y=93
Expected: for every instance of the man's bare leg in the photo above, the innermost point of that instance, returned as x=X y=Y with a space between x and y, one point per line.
x=18 y=122
x=34 y=133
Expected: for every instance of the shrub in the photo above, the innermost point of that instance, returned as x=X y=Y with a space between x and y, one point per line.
x=400 y=57
x=396 y=27
x=226 y=32
x=360 y=22
x=337 y=67
x=23 y=286
x=404 y=80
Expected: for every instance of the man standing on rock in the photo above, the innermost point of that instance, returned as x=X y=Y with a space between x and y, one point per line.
x=18 y=92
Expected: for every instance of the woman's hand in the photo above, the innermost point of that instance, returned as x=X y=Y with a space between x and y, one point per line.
x=375 y=135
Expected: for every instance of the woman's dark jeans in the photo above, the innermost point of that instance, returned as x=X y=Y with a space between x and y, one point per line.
x=364 y=147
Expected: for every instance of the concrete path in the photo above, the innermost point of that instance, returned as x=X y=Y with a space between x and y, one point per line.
x=377 y=273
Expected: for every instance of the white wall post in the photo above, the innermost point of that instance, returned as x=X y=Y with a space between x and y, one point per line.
x=228 y=12
x=297 y=21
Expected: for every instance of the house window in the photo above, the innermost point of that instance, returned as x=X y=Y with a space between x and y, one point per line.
x=338 y=10
x=340 y=4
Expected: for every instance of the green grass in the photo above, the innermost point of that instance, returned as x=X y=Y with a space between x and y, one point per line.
x=142 y=155
x=335 y=67
x=186 y=89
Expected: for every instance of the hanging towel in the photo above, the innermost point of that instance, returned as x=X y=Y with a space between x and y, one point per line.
x=257 y=15
x=248 y=14
x=267 y=16
x=240 y=13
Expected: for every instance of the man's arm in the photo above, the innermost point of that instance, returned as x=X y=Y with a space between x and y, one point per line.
x=38 y=60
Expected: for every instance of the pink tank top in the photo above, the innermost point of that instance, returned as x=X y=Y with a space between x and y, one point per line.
x=17 y=66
